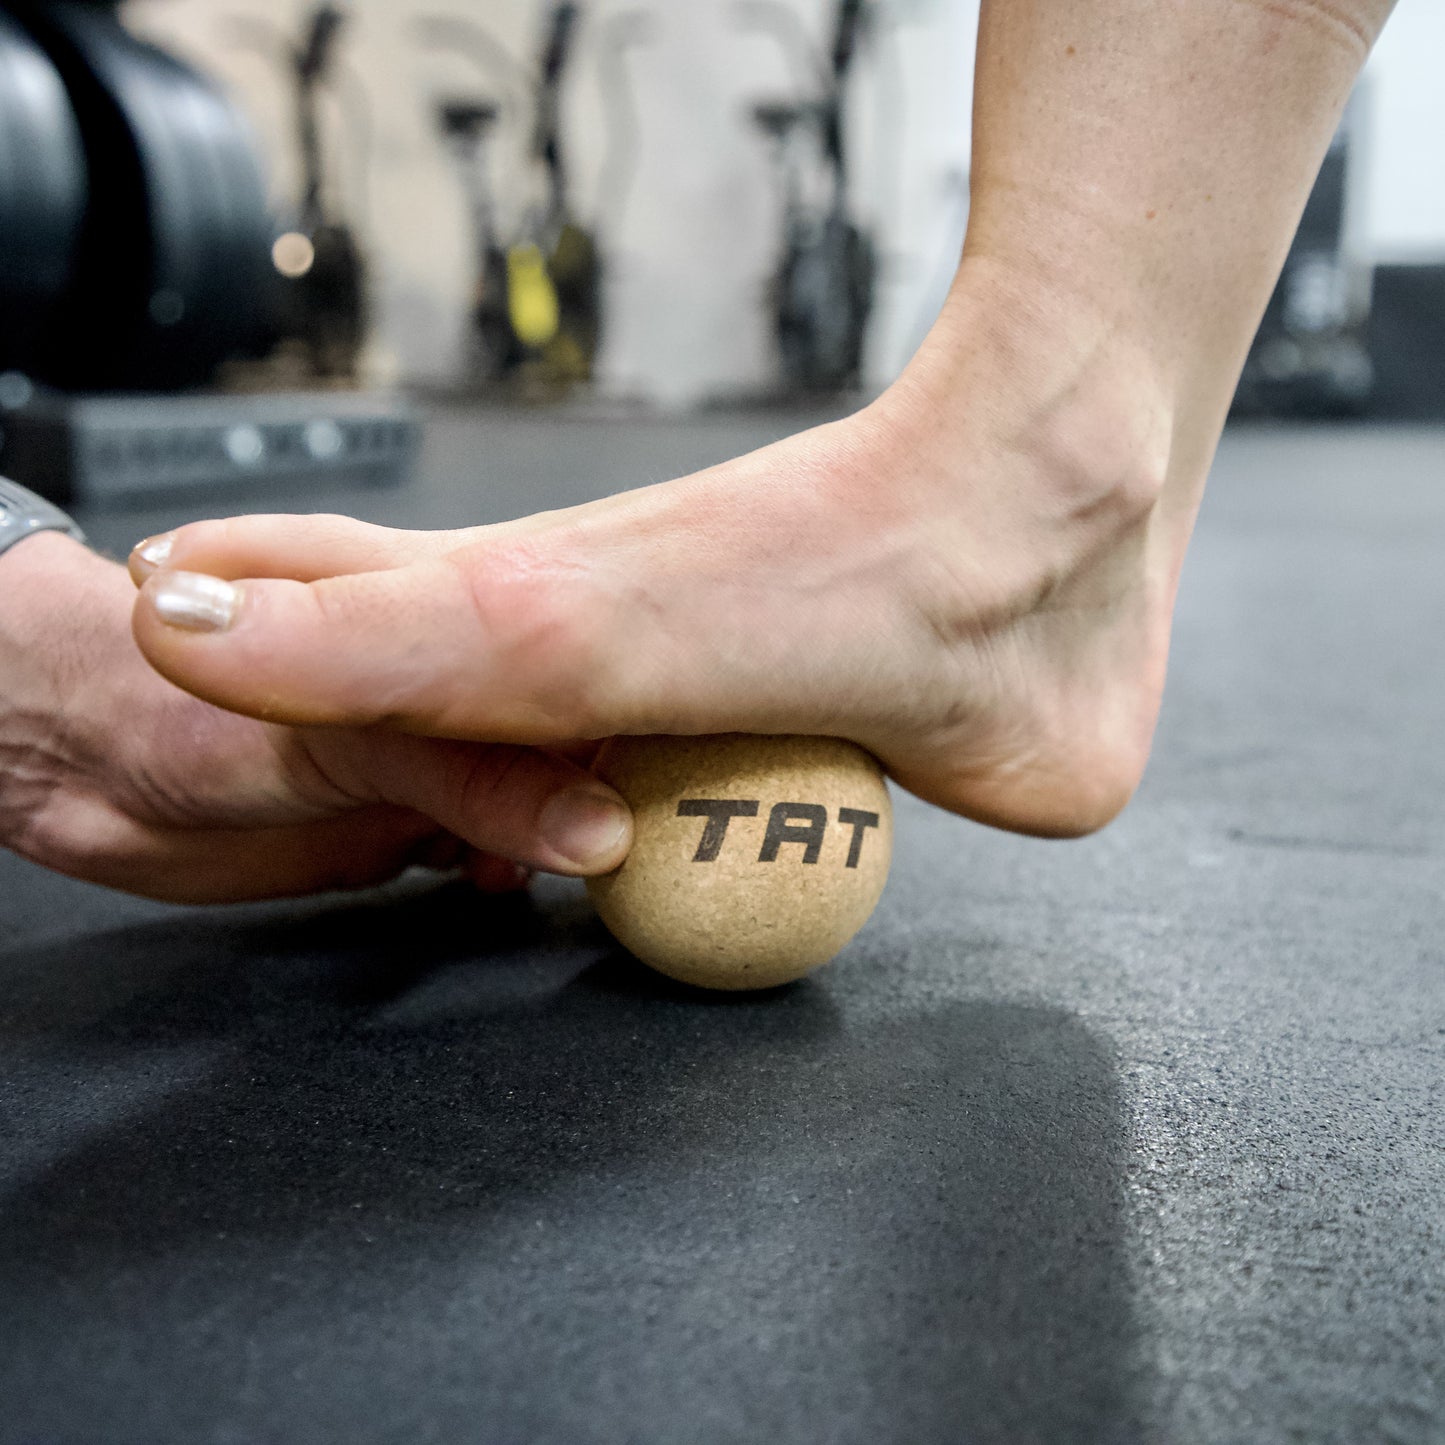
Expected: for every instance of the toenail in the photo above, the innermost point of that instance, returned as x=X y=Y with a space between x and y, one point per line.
x=196 y=603
x=154 y=552
x=586 y=826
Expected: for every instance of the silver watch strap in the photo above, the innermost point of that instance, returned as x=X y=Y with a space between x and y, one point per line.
x=22 y=514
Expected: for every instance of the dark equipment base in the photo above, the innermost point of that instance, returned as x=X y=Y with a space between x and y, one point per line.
x=103 y=449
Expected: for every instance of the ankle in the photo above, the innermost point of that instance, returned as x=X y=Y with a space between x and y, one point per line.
x=1049 y=385
x=1055 y=439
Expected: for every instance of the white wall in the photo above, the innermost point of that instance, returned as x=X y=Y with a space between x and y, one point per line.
x=691 y=232
x=1403 y=176
x=691 y=238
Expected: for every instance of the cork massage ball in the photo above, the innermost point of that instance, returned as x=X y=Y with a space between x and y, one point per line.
x=755 y=858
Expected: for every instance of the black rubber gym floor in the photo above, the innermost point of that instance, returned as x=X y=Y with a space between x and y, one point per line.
x=1136 y=1138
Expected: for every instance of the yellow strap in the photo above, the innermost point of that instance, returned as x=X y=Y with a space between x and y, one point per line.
x=531 y=297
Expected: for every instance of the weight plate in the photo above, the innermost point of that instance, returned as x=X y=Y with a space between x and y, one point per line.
x=173 y=266
x=42 y=192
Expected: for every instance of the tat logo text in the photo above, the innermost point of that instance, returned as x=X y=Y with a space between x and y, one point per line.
x=801 y=823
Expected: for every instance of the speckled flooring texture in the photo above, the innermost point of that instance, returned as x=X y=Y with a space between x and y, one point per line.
x=1138 y=1138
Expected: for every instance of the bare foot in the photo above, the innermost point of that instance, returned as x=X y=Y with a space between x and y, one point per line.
x=973 y=578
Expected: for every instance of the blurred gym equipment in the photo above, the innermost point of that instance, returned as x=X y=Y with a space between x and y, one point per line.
x=536 y=305
x=137 y=256
x=1407 y=340
x=319 y=267
x=1311 y=355
x=822 y=290
x=134 y=219
x=99 y=449
x=492 y=347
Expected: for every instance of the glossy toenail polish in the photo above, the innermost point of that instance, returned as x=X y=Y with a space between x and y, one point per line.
x=154 y=552
x=585 y=825
x=195 y=602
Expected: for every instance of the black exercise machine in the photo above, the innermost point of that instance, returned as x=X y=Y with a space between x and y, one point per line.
x=821 y=294
x=322 y=284
x=1311 y=354
x=535 y=316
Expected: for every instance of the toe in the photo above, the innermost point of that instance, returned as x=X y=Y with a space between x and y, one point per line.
x=302 y=548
